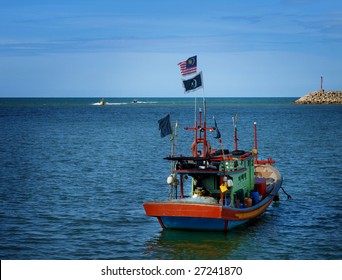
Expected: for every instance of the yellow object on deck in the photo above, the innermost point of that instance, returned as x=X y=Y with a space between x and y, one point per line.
x=223 y=188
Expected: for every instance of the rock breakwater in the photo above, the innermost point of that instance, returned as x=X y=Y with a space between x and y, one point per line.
x=321 y=97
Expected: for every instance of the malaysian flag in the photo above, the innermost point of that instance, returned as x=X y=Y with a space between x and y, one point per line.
x=188 y=66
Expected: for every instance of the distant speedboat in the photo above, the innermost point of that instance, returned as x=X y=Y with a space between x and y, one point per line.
x=102 y=102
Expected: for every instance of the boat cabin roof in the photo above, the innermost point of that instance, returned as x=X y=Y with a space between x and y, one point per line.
x=212 y=165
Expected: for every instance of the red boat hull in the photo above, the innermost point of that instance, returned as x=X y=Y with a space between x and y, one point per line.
x=184 y=215
x=190 y=215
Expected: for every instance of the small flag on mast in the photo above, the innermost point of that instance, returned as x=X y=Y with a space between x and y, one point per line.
x=218 y=133
x=188 y=66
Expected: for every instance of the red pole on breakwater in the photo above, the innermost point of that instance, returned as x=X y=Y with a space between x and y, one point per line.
x=321 y=83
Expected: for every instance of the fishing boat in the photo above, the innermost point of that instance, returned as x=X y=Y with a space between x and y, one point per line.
x=227 y=188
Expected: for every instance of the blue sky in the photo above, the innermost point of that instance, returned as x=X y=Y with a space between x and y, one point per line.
x=99 y=48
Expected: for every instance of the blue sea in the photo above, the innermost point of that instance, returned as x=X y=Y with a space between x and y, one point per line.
x=74 y=176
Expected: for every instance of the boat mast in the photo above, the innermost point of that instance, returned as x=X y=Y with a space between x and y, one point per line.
x=173 y=139
x=199 y=128
x=205 y=127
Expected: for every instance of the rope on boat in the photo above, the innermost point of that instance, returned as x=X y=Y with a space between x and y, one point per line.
x=288 y=196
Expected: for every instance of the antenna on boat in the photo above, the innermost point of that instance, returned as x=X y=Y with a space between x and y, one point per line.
x=255 y=150
x=195 y=109
x=173 y=138
x=173 y=144
x=235 y=132
x=204 y=105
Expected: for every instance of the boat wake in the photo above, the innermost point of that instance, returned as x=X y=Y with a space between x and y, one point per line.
x=123 y=103
x=109 y=103
x=137 y=101
x=144 y=102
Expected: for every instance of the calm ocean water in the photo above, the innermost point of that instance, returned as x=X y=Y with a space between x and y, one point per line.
x=74 y=177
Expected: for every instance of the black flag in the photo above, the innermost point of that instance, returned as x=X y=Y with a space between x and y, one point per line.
x=165 y=126
x=193 y=83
